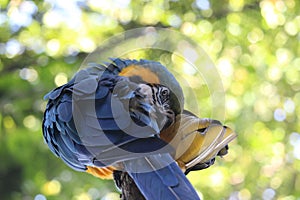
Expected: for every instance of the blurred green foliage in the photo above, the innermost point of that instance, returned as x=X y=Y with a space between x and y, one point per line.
x=254 y=44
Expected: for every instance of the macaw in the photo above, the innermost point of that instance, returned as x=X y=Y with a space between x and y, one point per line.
x=127 y=115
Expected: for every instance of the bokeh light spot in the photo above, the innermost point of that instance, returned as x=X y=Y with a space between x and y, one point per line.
x=280 y=5
x=40 y=197
x=9 y=122
x=51 y=187
x=289 y=106
x=276 y=182
x=280 y=39
x=188 y=69
x=66 y=176
x=83 y=196
x=3 y=18
x=295 y=142
x=21 y=14
x=94 y=193
x=111 y=196
x=53 y=46
x=274 y=73
x=28 y=74
x=244 y=194
x=234 y=29
x=284 y=56
x=175 y=21
x=225 y=66
x=203 y=4
x=291 y=28
x=245 y=59
x=188 y=28
x=190 y=54
x=205 y=27
x=86 y=44
x=52 y=19
x=217 y=179
x=279 y=115
x=151 y=14
x=232 y=106
x=236 y=5
x=255 y=35
x=13 y=48
x=60 y=79
x=271 y=15
x=237 y=178
x=31 y=122
x=268 y=194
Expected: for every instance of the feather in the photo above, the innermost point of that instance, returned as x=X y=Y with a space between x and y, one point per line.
x=159 y=177
x=64 y=111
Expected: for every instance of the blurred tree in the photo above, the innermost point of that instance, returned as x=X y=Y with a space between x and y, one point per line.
x=254 y=44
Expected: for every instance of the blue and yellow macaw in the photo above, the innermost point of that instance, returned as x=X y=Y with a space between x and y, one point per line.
x=128 y=115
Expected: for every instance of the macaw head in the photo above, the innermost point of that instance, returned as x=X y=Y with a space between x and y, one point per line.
x=151 y=73
x=154 y=102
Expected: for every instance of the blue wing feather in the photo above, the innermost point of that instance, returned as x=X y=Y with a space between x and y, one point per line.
x=159 y=177
x=64 y=111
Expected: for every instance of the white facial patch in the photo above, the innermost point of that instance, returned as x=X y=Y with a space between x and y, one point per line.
x=147 y=91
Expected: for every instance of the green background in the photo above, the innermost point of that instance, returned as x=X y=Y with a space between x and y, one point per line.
x=254 y=45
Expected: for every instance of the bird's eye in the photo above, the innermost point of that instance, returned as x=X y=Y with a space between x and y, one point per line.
x=164 y=93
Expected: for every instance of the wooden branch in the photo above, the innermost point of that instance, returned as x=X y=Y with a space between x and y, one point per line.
x=129 y=189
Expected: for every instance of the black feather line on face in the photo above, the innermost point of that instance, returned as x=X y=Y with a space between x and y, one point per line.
x=153 y=96
x=174 y=102
x=168 y=101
